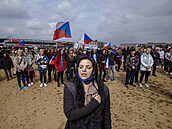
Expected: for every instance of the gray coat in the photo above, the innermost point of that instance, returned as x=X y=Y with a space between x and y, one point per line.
x=30 y=61
x=146 y=61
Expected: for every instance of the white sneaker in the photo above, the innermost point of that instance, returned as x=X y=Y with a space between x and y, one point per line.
x=62 y=84
x=41 y=85
x=29 y=84
x=170 y=73
x=45 y=84
x=166 y=72
x=156 y=66
x=146 y=85
x=140 y=85
x=114 y=81
x=109 y=80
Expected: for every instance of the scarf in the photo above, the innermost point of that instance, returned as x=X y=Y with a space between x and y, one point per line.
x=62 y=62
x=86 y=81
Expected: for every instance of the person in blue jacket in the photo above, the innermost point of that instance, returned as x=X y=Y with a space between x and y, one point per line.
x=42 y=62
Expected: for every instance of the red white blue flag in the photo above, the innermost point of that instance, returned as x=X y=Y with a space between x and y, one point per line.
x=85 y=40
x=153 y=46
x=21 y=44
x=108 y=45
x=62 y=30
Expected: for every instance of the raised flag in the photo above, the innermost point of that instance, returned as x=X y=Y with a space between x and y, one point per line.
x=62 y=30
x=21 y=44
x=85 y=39
x=52 y=61
x=108 y=45
x=153 y=46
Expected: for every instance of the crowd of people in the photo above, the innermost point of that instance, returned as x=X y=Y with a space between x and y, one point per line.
x=62 y=62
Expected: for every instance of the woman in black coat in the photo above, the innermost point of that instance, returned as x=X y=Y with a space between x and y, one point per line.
x=70 y=64
x=7 y=64
x=86 y=98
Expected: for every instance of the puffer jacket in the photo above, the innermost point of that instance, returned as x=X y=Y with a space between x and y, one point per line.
x=146 y=61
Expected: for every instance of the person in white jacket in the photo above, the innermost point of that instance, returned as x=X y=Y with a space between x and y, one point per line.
x=145 y=66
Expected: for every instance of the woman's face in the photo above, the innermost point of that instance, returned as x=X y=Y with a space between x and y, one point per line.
x=4 y=54
x=85 y=69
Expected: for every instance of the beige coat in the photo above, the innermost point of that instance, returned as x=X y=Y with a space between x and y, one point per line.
x=17 y=67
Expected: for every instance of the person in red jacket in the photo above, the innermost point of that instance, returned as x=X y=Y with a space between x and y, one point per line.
x=60 y=65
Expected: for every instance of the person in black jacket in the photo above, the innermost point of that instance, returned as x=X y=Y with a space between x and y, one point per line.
x=70 y=64
x=125 y=53
x=102 y=61
x=86 y=98
x=51 y=67
x=137 y=53
x=156 y=58
x=7 y=65
x=111 y=64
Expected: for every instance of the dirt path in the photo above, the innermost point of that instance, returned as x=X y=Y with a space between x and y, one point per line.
x=42 y=108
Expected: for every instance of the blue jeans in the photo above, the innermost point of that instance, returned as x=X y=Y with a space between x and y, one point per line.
x=162 y=64
x=112 y=67
x=102 y=70
x=19 y=74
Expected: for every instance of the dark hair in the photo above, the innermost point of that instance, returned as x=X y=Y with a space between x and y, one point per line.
x=79 y=86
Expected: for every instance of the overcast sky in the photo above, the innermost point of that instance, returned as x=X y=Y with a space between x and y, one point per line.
x=113 y=21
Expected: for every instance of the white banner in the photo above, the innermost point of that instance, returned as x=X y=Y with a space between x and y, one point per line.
x=75 y=45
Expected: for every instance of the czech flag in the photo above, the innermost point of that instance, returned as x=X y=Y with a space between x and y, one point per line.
x=85 y=40
x=52 y=61
x=108 y=45
x=106 y=63
x=153 y=46
x=21 y=44
x=62 y=30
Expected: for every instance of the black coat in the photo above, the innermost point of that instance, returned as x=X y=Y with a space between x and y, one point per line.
x=70 y=62
x=7 y=63
x=112 y=59
x=99 y=114
x=100 y=59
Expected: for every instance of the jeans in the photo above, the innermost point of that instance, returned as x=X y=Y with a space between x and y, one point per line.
x=161 y=61
x=19 y=74
x=6 y=73
x=42 y=74
x=102 y=70
x=60 y=74
x=27 y=76
x=130 y=76
x=146 y=76
x=112 y=67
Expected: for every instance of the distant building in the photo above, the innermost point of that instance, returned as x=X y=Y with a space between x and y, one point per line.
x=128 y=44
x=9 y=43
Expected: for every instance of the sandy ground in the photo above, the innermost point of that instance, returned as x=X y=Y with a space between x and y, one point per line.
x=42 y=108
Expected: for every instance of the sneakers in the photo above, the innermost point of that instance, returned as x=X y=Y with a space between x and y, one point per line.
x=166 y=72
x=133 y=85
x=109 y=80
x=45 y=84
x=19 y=89
x=126 y=86
x=140 y=85
x=170 y=73
x=26 y=87
x=29 y=84
x=114 y=81
x=41 y=85
x=157 y=66
x=146 y=85
x=62 y=84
